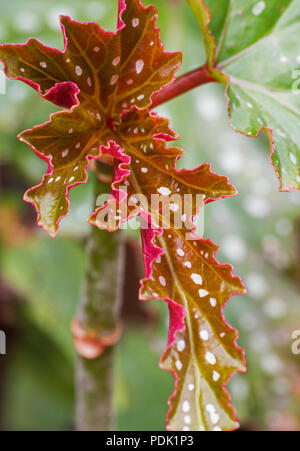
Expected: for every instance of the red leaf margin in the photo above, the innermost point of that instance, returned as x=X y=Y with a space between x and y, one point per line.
x=67 y=90
x=177 y=312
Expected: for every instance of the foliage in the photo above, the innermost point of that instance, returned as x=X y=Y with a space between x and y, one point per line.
x=252 y=48
x=181 y=292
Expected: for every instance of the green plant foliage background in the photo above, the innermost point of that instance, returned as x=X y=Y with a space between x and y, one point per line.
x=258 y=231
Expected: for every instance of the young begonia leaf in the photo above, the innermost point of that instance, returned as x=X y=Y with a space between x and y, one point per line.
x=180 y=268
x=142 y=137
x=254 y=44
x=202 y=351
x=106 y=73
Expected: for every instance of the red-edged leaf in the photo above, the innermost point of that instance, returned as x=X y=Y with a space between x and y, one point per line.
x=142 y=136
x=181 y=270
x=106 y=73
x=67 y=142
x=202 y=351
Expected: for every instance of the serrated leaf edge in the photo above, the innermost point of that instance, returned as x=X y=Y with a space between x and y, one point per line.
x=181 y=313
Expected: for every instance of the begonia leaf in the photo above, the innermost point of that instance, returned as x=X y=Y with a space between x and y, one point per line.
x=105 y=73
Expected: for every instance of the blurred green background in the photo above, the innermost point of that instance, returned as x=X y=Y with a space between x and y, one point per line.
x=40 y=278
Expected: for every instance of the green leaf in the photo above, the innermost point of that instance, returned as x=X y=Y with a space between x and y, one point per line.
x=257 y=49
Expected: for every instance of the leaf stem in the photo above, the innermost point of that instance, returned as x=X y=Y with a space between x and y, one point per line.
x=99 y=313
x=182 y=84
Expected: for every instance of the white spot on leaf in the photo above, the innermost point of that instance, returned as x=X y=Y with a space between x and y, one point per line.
x=178 y=364
x=187 y=419
x=210 y=358
x=162 y=281
x=181 y=345
x=186 y=406
x=116 y=61
x=204 y=335
x=139 y=65
x=78 y=71
x=213 y=302
x=258 y=8
x=114 y=79
x=216 y=376
x=214 y=417
x=164 y=191
x=197 y=279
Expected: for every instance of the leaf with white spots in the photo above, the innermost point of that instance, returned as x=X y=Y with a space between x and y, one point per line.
x=107 y=79
x=253 y=47
x=67 y=142
x=99 y=75
x=110 y=69
x=202 y=351
x=155 y=184
x=187 y=265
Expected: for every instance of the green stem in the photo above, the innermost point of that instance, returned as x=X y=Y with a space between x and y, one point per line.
x=99 y=312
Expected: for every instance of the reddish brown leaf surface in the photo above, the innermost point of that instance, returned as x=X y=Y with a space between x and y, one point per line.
x=108 y=72
x=142 y=147
x=202 y=351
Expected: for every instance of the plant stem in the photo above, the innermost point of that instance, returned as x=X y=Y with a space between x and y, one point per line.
x=182 y=84
x=99 y=312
